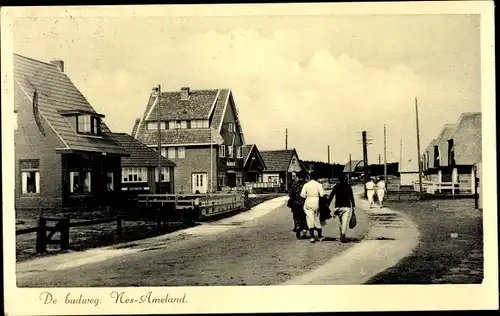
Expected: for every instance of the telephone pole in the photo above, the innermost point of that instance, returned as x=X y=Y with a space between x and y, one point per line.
x=400 y=154
x=286 y=138
x=418 y=148
x=385 y=155
x=350 y=169
x=379 y=160
x=365 y=155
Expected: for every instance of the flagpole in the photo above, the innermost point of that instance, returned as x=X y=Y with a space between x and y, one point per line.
x=418 y=149
x=159 y=136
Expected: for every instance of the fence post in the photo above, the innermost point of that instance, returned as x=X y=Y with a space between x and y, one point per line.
x=41 y=235
x=65 y=232
x=119 y=227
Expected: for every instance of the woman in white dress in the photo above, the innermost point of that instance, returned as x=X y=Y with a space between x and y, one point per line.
x=370 y=191
x=311 y=192
x=381 y=189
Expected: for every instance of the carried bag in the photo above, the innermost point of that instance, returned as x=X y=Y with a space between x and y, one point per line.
x=352 y=221
x=324 y=209
x=290 y=203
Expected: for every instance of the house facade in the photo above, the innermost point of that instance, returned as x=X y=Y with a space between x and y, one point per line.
x=354 y=168
x=200 y=132
x=253 y=165
x=451 y=157
x=140 y=168
x=64 y=155
x=279 y=166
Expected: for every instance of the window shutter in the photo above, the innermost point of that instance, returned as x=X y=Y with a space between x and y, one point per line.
x=37 y=182
x=24 y=182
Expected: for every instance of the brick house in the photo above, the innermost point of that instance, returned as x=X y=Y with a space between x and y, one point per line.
x=64 y=155
x=200 y=132
x=254 y=165
x=279 y=166
x=452 y=155
x=140 y=168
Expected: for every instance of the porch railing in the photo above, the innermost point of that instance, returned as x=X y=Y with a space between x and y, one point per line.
x=453 y=188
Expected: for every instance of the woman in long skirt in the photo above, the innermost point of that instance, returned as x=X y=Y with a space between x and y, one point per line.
x=381 y=190
x=311 y=192
x=297 y=205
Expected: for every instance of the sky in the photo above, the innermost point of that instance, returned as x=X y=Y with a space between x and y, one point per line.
x=324 y=78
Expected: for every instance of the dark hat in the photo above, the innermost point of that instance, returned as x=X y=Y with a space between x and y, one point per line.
x=301 y=174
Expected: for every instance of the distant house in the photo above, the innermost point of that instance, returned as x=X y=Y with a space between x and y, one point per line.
x=64 y=154
x=279 y=166
x=451 y=157
x=140 y=168
x=200 y=132
x=254 y=165
x=354 y=168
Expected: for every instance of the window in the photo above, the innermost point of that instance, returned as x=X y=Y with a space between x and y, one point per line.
x=222 y=179
x=163 y=151
x=132 y=174
x=87 y=124
x=436 y=156
x=171 y=152
x=152 y=125
x=205 y=124
x=199 y=124
x=451 y=153
x=30 y=176
x=222 y=151
x=181 y=152
x=230 y=127
x=110 y=183
x=165 y=174
x=230 y=151
x=80 y=181
x=15 y=121
x=183 y=124
x=239 y=179
x=171 y=124
x=83 y=123
x=239 y=153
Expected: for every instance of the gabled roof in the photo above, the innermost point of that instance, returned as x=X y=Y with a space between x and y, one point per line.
x=200 y=105
x=354 y=165
x=467 y=139
x=140 y=154
x=278 y=160
x=57 y=95
x=246 y=152
x=442 y=143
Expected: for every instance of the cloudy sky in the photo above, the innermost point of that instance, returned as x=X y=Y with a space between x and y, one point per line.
x=325 y=78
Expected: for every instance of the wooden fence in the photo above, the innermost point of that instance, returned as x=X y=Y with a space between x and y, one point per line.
x=444 y=188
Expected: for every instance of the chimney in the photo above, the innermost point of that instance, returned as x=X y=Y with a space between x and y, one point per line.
x=184 y=93
x=59 y=64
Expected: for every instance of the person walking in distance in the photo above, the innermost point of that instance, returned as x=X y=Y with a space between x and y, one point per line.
x=344 y=205
x=381 y=190
x=311 y=192
x=296 y=203
x=370 y=191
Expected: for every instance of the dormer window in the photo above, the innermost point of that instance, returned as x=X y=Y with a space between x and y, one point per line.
x=87 y=124
x=230 y=127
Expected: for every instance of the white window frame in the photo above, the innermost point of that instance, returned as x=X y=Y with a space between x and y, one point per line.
x=230 y=127
x=194 y=124
x=222 y=151
x=205 y=124
x=84 y=124
x=164 y=171
x=152 y=125
x=230 y=151
x=171 y=124
x=139 y=173
x=24 y=180
x=239 y=178
x=171 y=152
x=181 y=152
x=239 y=152
x=183 y=124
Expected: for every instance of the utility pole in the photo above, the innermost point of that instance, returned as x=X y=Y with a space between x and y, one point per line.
x=286 y=138
x=350 y=169
x=400 y=154
x=365 y=155
x=158 y=97
x=379 y=160
x=418 y=148
x=328 y=154
x=385 y=155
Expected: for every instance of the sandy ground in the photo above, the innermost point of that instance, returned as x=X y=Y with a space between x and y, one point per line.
x=253 y=248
